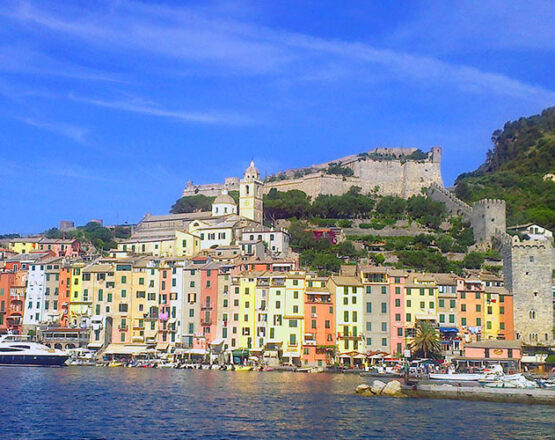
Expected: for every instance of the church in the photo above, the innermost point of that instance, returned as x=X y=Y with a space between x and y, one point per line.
x=187 y=234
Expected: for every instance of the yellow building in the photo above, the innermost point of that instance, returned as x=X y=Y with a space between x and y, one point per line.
x=492 y=312
x=80 y=301
x=348 y=292
x=143 y=302
x=246 y=310
x=24 y=245
x=173 y=244
x=421 y=302
x=250 y=195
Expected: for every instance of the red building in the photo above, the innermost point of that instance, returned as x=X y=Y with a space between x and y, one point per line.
x=319 y=317
x=12 y=297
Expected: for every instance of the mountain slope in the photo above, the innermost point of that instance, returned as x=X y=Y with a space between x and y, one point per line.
x=517 y=170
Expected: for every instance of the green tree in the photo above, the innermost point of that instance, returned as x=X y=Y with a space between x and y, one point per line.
x=473 y=260
x=194 y=203
x=426 y=340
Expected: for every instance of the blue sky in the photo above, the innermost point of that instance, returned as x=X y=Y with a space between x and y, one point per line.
x=108 y=108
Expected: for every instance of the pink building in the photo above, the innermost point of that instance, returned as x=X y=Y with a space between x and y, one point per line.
x=482 y=354
x=397 y=280
x=209 y=301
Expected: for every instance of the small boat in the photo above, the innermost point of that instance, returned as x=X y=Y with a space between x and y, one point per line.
x=245 y=368
x=115 y=364
x=18 y=350
x=458 y=377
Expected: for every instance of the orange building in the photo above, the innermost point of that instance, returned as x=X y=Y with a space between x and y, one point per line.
x=319 y=316
x=64 y=288
x=470 y=303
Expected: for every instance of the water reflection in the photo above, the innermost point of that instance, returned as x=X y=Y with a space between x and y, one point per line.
x=141 y=403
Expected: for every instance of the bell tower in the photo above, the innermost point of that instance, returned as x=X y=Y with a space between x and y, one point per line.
x=250 y=195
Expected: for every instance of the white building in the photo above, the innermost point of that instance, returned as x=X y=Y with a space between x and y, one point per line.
x=34 y=296
x=276 y=241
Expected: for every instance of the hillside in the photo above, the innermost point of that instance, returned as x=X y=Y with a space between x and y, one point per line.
x=516 y=170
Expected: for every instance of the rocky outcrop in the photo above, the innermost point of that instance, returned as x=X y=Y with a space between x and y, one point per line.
x=379 y=388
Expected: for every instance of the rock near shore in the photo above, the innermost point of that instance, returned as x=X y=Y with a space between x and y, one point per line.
x=379 y=388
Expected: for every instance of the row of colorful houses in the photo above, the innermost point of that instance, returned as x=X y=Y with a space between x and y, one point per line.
x=268 y=307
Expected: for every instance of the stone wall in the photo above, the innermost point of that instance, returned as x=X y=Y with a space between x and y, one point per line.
x=454 y=205
x=527 y=267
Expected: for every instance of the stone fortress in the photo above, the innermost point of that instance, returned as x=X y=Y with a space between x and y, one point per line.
x=390 y=171
x=527 y=264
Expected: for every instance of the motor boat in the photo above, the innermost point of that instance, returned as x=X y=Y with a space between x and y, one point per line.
x=488 y=375
x=20 y=350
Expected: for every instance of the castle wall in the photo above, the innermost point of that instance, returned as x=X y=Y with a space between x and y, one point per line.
x=391 y=177
x=528 y=269
x=454 y=205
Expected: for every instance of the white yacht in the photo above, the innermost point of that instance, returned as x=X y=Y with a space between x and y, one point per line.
x=20 y=350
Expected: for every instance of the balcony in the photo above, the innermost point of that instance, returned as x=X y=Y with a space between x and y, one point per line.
x=206 y=323
x=151 y=317
x=123 y=328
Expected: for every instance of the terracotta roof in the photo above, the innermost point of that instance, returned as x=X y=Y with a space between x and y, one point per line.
x=346 y=281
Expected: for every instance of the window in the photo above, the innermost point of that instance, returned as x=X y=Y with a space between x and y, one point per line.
x=441 y=318
x=399 y=332
x=488 y=325
x=141 y=281
x=327 y=323
x=368 y=326
x=452 y=303
x=313 y=323
x=397 y=302
x=368 y=307
x=109 y=297
x=384 y=290
x=292 y=339
x=397 y=290
x=501 y=310
x=384 y=307
x=432 y=305
x=397 y=317
x=441 y=303
x=451 y=319
x=463 y=295
x=422 y=304
x=123 y=279
x=122 y=308
x=292 y=323
x=296 y=294
x=191 y=313
x=100 y=294
x=478 y=307
x=384 y=326
x=463 y=321
x=346 y=316
x=421 y=292
x=384 y=342
x=502 y=326
x=409 y=317
x=409 y=303
x=463 y=307
x=368 y=289
x=478 y=322
x=368 y=341
x=355 y=316
x=345 y=301
x=295 y=309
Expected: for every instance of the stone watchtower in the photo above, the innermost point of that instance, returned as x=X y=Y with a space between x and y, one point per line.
x=528 y=266
x=250 y=195
x=488 y=219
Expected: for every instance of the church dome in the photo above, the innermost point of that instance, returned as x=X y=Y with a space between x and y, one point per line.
x=224 y=199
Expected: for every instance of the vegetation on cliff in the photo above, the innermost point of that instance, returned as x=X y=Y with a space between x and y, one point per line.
x=93 y=233
x=516 y=170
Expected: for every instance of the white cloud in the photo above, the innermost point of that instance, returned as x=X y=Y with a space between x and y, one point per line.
x=70 y=131
x=150 y=108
